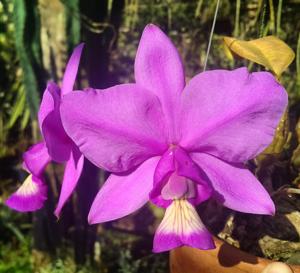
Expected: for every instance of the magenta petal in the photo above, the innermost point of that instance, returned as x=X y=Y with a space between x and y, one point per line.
x=29 y=197
x=168 y=241
x=181 y=226
x=158 y=67
x=188 y=168
x=71 y=70
x=203 y=193
x=36 y=158
x=231 y=114
x=163 y=170
x=119 y=128
x=123 y=194
x=236 y=187
x=72 y=174
x=58 y=143
x=51 y=97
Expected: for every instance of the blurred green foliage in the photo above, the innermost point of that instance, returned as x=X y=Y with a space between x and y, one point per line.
x=14 y=110
x=15 y=251
x=27 y=48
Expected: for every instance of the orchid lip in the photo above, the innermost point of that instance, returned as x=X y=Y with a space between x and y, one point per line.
x=30 y=196
x=28 y=188
x=181 y=225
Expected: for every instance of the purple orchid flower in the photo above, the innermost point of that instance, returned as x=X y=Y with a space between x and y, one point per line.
x=176 y=144
x=56 y=146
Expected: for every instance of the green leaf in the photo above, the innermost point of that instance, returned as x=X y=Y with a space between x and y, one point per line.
x=73 y=21
x=17 y=109
x=25 y=118
x=29 y=78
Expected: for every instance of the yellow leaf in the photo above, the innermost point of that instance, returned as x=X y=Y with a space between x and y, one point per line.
x=268 y=51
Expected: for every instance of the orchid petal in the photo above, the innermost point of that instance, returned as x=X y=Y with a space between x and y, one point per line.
x=119 y=128
x=30 y=196
x=180 y=226
x=203 y=193
x=36 y=158
x=235 y=186
x=158 y=67
x=58 y=143
x=51 y=97
x=188 y=168
x=165 y=167
x=123 y=194
x=231 y=114
x=72 y=174
x=71 y=70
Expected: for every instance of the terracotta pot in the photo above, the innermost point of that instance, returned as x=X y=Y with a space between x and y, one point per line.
x=224 y=259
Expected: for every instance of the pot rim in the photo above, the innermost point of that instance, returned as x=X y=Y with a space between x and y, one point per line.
x=224 y=258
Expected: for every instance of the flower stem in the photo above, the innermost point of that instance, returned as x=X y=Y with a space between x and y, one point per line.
x=211 y=35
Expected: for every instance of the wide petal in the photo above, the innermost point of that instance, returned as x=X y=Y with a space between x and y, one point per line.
x=231 y=114
x=123 y=194
x=30 y=196
x=181 y=226
x=235 y=186
x=71 y=70
x=58 y=143
x=117 y=128
x=158 y=67
x=36 y=158
x=72 y=174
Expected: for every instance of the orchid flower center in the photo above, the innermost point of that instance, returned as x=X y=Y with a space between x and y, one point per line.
x=181 y=222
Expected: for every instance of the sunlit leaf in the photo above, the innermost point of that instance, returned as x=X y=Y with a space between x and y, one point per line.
x=268 y=51
x=17 y=109
x=25 y=118
x=23 y=52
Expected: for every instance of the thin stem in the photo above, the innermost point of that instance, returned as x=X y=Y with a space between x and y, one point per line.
x=278 y=21
x=262 y=20
x=198 y=8
x=211 y=34
x=272 y=16
x=170 y=4
x=237 y=19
